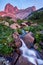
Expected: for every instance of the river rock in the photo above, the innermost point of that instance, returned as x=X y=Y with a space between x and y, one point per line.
x=0 y=63
x=15 y=57
x=28 y=39
x=18 y=51
x=23 y=61
x=18 y=42
x=41 y=54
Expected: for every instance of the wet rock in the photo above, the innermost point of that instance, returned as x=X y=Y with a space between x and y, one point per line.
x=28 y=39
x=41 y=43
x=37 y=47
x=3 y=61
x=23 y=61
x=41 y=54
x=0 y=63
x=15 y=58
x=19 y=51
x=18 y=42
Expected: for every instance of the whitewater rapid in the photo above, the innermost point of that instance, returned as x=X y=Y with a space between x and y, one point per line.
x=31 y=54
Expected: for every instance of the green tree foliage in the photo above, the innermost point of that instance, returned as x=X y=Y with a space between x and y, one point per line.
x=19 y=21
x=39 y=37
x=19 y=31
x=37 y=17
x=34 y=29
x=5 y=49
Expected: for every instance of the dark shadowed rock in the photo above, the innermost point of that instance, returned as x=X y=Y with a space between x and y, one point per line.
x=23 y=61
x=41 y=54
x=15 y=57
x=19 y=51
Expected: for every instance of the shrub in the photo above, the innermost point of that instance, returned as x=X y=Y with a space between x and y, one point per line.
x=37 y=17
x=19 y=21
x=5 y=39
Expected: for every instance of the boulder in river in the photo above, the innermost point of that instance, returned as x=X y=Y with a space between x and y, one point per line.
x=29 y=40
x=23 y=61
x=15 y=57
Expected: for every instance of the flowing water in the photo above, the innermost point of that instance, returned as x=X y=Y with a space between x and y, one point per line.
x=31 y=54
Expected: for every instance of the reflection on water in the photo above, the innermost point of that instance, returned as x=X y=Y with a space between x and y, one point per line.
x=31 y=54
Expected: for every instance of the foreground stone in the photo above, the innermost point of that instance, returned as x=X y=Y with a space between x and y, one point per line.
x=28 y=39
x=41 y=54
x=14 y=26
x=23 y=61
x=15 y=57
x=11 y=60
x=23 y=25
x=18 y=42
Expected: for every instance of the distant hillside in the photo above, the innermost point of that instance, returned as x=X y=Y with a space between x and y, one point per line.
x=39 y=10
x=36 y=16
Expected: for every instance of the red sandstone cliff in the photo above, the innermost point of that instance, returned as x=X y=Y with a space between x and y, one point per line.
x=16 y=13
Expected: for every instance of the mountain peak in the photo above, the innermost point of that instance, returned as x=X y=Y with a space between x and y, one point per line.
x=10 y=8
x=16 y=13
x=33 y=8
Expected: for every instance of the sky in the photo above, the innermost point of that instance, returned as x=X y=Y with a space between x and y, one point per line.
x=21 y=4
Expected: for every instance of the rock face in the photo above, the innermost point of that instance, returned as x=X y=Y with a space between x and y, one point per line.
x=2 y=13
x=16 y=13
x=28 y=39
x=15 y=26
x=23 y=13
x=10 y=9
x=18 y=42
x=15 y=57
x=23 y=61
